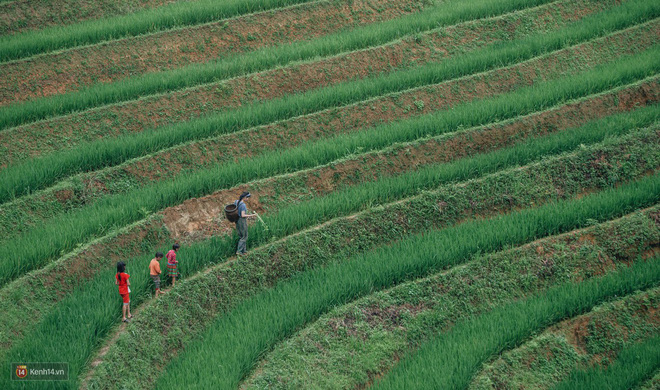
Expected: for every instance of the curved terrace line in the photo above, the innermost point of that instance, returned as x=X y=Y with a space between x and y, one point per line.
x=493 y=279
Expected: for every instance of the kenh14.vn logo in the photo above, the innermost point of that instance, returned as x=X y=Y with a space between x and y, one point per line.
x=21 y=371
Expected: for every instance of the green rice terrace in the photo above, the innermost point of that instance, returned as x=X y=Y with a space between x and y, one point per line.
x=443 y=194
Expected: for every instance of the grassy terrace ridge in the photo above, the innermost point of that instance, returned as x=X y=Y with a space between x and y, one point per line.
x=43 y=76
x=40 y=172
x=634 y=365
x=468 y=344
x=254 y=326
x=188 y=314
x=24 y=15
x=443 y=15
x=142 y=22
x=353 y=344
x=18 y=216
x=592 y=341
x=66 y=231
x=68 y=131
x=40 y=291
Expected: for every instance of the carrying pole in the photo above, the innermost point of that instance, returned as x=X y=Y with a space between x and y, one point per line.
x=262 y=221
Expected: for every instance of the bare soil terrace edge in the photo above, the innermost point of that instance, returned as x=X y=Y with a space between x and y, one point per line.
x=593 y=339
x=24 y=15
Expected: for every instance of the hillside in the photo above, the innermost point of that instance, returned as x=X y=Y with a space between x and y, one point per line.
x=450 y=194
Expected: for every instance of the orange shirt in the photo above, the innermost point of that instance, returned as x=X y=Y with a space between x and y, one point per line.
x=154 y=267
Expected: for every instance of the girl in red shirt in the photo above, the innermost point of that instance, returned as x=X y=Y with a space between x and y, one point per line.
x=172 y=263
x=121 y=280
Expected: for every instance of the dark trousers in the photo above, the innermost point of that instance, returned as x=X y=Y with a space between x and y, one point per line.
x=242 y=228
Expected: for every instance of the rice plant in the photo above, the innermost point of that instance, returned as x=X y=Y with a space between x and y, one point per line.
x=451 y=359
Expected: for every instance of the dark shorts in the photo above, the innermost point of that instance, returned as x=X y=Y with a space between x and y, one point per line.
x=156 y=279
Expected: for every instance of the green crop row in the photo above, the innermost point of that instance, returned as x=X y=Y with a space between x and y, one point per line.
x=603 y=333
x=63 y=233
x=652 y=384
x=353 y=343
x=132 y=88
x=226 y=284
x=633 y=365
x=174 y=15
x=114 y=120
x=232 y=345
x=95 y=300
x=448 y=362
x=38 y=173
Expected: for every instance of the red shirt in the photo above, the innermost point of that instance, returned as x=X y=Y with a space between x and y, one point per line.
x=171 y=257
x=123 y=285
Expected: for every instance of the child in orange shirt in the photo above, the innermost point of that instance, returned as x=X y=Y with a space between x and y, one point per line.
x=154 y=272
x=121 y=280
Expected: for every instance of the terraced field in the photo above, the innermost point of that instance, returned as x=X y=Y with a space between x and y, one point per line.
x=453 y=194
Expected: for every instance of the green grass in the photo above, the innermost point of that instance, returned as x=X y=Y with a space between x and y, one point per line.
x=633 y=365
x=35 y=248
x=232 y=345
x=98 y=297
x=589 y=341
x=651 y=384
x=449 y=361
x=444 y=14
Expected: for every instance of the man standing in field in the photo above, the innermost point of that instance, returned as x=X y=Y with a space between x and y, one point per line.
x=241 y=223
x=154 y=272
